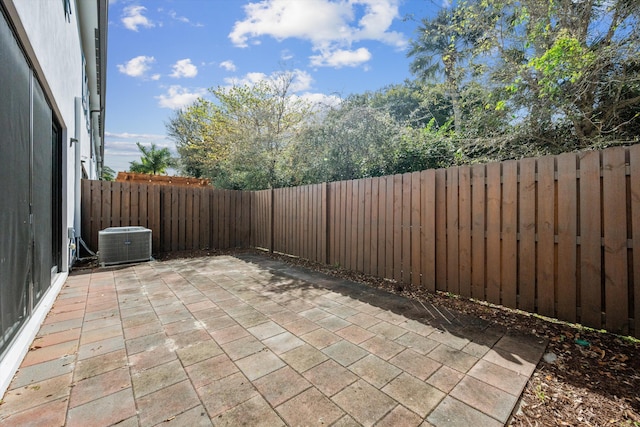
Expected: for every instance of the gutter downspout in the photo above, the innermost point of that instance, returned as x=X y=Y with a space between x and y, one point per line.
x=78 y=176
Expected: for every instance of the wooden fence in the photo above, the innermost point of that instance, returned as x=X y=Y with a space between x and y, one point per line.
x=552 y=235
x=180 y=218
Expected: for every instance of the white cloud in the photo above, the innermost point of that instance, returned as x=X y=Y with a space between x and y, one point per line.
x=341 y=58
x=228 y=65
x=301 y=80
x=137 y=67
x=133 y=18
x=183 y=19
x=286 y=55
x=184 y=68
x=127 y=135
x=175 y=16
x=321 y=100
x=155 y=77
x=248 y=79
x=178 y=97
x=331 y=27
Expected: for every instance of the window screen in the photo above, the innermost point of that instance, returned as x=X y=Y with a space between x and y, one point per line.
x=15 y=257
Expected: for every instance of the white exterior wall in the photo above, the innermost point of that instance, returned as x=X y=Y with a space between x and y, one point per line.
x=54 y=48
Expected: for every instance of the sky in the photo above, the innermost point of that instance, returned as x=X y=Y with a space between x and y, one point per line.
x=164 y=54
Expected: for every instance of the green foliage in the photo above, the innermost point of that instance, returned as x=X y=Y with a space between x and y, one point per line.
x=153 y=160
x=427 y=148
x=108 y=174
x=239 y=140
x=566 y=61
x=353 y=141
x=196 y=135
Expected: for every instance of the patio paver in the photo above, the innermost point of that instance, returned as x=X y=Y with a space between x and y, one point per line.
x=246 y=339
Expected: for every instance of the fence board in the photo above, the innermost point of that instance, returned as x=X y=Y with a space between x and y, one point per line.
x=292 y=200
x=406 y=228
x=428 y=230
x=189 y=219
x=415 y=230
x=278 y=202
x=509 y=250
x=367 y=264
x=397 y=227
x=197 y=196
x=361 y=215
x=324 y=234
x=216 y=218
x=634 y=179
x=156 y=224
x=349 y=226
x=175 y=217
x=453 y=226
x=344 y=227
x=165 y=215
x=493 y=233
x=590 y=238
x=527 y=232
x=441 y=229
x=478 y=216
x=116 y=195
x=141 y=208
x=545 y=231
x=382 y=226
x=313 y=222
x=125 y=206
x=302 y=217
x=332 y=224
x=389 y=228
x=288 y=230
x=464 y=230
x=567 y=235
x=182 y=223
x=373 y=245
x=614 y=216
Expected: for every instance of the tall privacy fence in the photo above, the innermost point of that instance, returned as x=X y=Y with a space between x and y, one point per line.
x=181 y=218
x=552 y=235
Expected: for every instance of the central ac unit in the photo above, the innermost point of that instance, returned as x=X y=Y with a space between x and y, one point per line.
x=118 y=245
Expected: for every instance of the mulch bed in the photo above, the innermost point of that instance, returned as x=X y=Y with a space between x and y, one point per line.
x=591 y=378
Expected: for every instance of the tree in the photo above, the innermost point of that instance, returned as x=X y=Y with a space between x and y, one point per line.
x=108 y=174
x=442 y=46
x=428 y=148
x=198 y=140
x=153 y=160
x=572 y=66
x=413 y=102
x=353 y=141
x=240 y=139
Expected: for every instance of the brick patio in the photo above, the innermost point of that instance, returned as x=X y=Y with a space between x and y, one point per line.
x=246 y=340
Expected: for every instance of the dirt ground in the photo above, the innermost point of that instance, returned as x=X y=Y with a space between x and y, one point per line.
x=589 y=378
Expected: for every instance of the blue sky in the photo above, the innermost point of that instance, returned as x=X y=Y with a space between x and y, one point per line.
x=163 y=54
